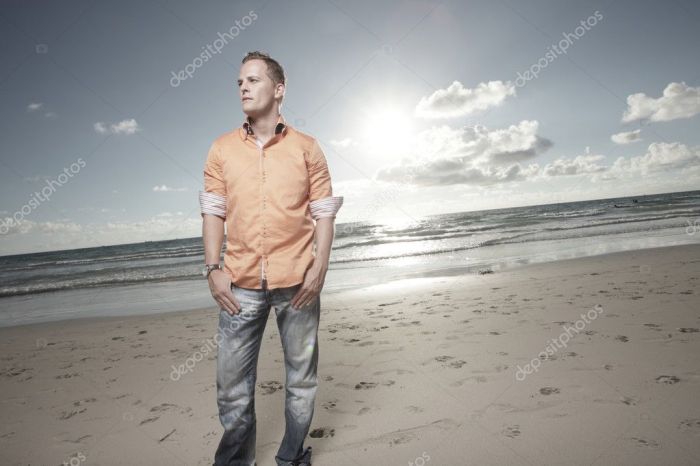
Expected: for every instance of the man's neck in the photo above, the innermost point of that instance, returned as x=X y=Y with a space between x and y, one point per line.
x=264 y=126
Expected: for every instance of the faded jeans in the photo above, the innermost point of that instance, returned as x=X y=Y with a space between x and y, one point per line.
x=240 y=337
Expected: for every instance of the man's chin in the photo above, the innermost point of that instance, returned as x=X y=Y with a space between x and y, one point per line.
x=250 y=109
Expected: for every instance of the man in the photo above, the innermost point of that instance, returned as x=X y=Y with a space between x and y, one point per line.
x=267 y=183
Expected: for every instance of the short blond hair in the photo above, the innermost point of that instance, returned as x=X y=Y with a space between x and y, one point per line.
x=274 y=69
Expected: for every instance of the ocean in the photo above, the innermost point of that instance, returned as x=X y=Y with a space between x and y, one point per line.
x=162 y=276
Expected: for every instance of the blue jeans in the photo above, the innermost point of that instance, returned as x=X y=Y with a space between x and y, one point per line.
x=239 y=339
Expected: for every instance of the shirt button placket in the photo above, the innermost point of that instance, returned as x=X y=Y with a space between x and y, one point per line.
x=263 y=275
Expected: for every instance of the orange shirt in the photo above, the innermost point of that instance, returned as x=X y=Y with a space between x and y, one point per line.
x=269 y=196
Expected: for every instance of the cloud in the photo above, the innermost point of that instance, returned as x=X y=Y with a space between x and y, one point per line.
x=471 y=155
x=678 y=101
x=660 y=156
x=123 y=127
x=627 y=137
x=455 y=171
x=163 y=189
x=457 y=100
x=475 y=155
x=58 y=227
x=35 y=106
x=343 y=143
x=579 y=165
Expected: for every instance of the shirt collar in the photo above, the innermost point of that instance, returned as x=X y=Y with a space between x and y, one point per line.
x=247 y=129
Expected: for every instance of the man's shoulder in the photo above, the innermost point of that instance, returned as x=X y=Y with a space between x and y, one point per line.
x=304 y=139
x=228 y=137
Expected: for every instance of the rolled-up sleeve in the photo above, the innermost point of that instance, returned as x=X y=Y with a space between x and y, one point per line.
x=322 y=203
x=213 y=199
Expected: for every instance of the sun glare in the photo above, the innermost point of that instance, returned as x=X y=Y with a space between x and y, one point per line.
x=388 y=131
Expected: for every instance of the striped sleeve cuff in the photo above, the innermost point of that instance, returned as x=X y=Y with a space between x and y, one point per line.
x=326 y=207
x=212 y=203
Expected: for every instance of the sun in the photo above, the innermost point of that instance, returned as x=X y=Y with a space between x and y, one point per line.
x=388 y=130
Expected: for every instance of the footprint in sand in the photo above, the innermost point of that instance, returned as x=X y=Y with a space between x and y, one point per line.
x=629 y=401
x=688 y=330
x=401 y=439
x=329 y=404
x=82 y=402
x=511 y=431
x=414 y=409
x=368 y=385
x=667 y=379
x=622 y=338
x=69 y=414
x=388 y=304
x=365 y=385
x=397 y=371
x=640 y=442
x=454 y=364
x=549 y=390
x=690 y=425
x=163 y=407
x=365 y=410
x=270 y=386
x=443 y=358
x=322 y=432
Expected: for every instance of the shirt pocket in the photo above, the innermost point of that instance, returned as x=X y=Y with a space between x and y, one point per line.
x=291 y=184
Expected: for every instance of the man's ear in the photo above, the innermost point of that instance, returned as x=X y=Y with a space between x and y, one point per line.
x=279 y=90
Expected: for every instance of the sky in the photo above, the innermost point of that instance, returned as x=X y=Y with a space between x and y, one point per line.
x=108 y=109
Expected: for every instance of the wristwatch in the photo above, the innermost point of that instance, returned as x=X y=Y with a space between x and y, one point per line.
x=208 y=268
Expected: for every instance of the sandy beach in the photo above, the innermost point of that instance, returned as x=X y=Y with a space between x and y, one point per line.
x=590 y=361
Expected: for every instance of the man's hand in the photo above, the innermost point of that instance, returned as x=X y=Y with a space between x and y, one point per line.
x=312 y=286
x=220 y=286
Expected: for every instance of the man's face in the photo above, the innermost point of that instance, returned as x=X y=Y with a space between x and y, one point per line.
x=256 y=89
